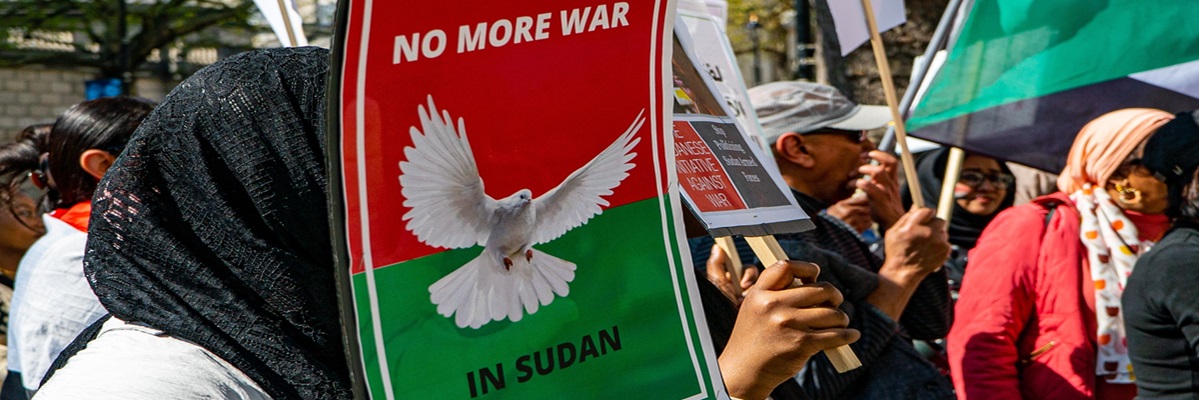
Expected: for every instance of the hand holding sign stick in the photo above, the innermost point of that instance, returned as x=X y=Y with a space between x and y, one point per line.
x=768 y=250
x=766 y=350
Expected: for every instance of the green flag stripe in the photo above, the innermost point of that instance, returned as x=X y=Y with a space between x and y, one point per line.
x=1013 y=50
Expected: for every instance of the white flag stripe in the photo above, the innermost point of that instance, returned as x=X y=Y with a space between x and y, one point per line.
x=850 y=20
x=1182 y=78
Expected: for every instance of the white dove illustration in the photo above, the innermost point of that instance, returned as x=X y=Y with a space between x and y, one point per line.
x=449 y=209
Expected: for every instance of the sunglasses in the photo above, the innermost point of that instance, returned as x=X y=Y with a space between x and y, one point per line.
x=974 y=179
x=41 y=176
x=853 y=136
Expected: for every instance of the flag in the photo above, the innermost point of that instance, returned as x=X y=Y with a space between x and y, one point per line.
x=284 y=28
x=1025 y=76
x=849 y=19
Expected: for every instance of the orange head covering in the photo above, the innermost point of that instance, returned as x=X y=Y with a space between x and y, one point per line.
x=1105 y=143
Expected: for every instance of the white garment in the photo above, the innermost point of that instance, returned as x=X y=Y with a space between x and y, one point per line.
x=52 y=301
x=5 y=303
x=127 y=361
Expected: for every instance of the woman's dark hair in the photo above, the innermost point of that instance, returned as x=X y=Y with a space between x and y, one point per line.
x=1189 y=203
x=104 y=124
x=17 y=160
x=22 y=155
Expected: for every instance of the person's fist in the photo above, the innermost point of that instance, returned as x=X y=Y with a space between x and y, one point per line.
x=881 y=185
x=719 y=275
x=854 y=211
x=785 y=318
x=918 y=242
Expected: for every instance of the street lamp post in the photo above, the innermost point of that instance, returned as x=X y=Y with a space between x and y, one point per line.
x=753 y=28
x=805 y=49
x=122 y=32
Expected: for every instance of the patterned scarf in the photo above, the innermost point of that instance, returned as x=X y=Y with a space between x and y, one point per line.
x=1112 y=249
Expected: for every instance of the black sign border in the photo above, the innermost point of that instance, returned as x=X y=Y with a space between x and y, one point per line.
x=336 y=200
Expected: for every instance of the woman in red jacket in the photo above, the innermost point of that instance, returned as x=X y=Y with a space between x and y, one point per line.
x=1039 y=315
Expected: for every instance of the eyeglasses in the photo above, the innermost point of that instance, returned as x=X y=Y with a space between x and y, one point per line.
x=853 y=136
x=26 y=212
x=41 y=177
x=975 y=179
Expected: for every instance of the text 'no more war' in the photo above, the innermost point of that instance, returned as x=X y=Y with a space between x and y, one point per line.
x=502 y=32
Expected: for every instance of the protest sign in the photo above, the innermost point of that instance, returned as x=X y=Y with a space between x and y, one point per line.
x=510 y=227
x=849 y=20
x=713 y=51
x=722 y=175
x=722 y=172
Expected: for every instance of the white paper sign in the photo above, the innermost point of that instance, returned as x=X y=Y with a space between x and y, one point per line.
x=850 y=20
x=711 y=48
x=727 y=180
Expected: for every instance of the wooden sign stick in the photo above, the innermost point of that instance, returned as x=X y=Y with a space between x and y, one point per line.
x=901 y=133
x=953 y=167
x=768 y=250
x=734 y=265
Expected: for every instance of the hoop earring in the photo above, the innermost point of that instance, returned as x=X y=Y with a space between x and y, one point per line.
x=1128 y=195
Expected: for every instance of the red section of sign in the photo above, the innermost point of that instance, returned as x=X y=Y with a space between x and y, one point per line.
x=537 y=102
x=701 y=174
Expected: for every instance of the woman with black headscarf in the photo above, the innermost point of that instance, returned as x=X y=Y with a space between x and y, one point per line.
x=1160 y=312
x=984 y=189
x=210 y=245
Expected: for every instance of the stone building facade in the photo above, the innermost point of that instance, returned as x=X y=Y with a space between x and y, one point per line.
x=37 y=94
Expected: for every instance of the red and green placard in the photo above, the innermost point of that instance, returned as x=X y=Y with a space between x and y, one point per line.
x=509 y=221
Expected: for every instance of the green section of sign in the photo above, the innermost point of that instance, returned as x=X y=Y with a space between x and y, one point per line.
x=618 y=334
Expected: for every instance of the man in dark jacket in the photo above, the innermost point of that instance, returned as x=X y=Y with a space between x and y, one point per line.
x=819 y=142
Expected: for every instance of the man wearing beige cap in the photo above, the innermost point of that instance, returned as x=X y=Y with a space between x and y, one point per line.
x=819 y=142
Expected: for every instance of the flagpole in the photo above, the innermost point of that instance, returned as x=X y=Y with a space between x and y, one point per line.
x=939 y=40
x=884 y=71
x=291 y=34
x=953 y=168
x=734 y=267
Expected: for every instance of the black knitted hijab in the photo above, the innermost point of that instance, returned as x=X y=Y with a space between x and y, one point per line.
x=212 y=226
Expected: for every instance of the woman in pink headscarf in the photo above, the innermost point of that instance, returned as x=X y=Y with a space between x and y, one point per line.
x=1039 y=315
